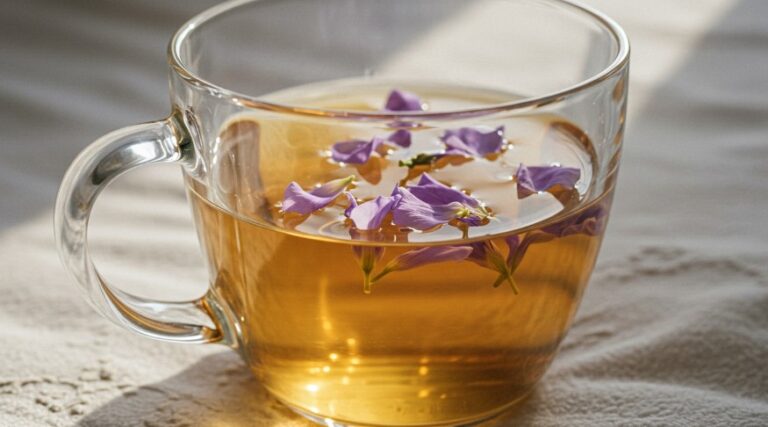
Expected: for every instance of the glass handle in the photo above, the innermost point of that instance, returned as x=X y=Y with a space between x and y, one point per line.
x=164 y=141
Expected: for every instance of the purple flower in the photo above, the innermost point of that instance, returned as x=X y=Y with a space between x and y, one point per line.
x=434 y=192
x=531 y=180
x=401 y=138
x=430 y=203
x=299 y=201
x=400 y=100
x=413 y=212
x=370 y=214
x=358 y=151
x=423 y=256
x=474 y=141
x=355 y=151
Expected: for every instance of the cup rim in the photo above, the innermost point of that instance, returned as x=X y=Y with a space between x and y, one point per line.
x=177 y=65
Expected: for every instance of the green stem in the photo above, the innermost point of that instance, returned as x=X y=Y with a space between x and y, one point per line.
x=367 y=282
x=380 y=275
x=506 y=275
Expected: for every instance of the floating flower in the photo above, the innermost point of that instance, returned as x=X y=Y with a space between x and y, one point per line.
x=400 y=100
x=424 y=256
x=369 y=215
x=434 y=192
x=355 y=151
x=430 y=203
x=420 y=215
x=358 y=151
x=296 y=200
x=474 y=141
x=531 y=180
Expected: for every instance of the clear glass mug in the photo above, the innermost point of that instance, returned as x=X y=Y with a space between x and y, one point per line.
x=422 y=349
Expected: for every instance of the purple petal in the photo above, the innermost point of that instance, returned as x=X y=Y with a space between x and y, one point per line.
x=412 y=212
x=401 y=138
x=352 y=203
x=455 y=146
x=513 y=243
x=487 y=255
x=369 y=215
x=590 y=222
x=355 y=151
x=531 y=180
x=427 y=255
x=400 y=100
x=474 y=141
x=433 y=192
x=518 y=247
x=295 y=199
x=479 y=254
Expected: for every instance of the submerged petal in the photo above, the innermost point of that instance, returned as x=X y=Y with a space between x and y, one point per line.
x=479 y=254
x=400 y=100
x=486 y=254
x=296 y=200
x=424 y=256
x=531 y=180
x=474 y=141
x=590 y=222
x=513 y=242
x=369 y=215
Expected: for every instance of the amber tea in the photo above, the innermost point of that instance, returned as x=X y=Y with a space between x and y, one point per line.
x=410 y=274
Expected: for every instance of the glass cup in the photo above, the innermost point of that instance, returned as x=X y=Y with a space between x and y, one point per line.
x=261 y=89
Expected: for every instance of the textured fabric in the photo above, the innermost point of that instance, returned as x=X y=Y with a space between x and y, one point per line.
x=673 y=329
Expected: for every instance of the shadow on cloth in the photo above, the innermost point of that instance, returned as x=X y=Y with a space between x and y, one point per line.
x=218 y=390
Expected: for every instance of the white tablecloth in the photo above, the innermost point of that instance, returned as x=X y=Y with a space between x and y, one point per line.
x=674 y=327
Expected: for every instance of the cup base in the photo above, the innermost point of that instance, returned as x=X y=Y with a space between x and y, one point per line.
x=470 y=422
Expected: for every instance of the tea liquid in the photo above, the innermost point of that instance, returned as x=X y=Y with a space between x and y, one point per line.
x=437 y=342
